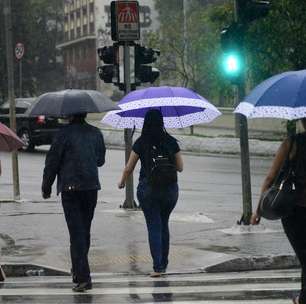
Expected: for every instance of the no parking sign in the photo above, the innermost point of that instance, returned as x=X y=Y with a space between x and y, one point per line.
x=125 y=20
x=19 y=50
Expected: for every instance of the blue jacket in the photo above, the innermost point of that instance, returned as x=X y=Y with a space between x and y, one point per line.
x=74 y=157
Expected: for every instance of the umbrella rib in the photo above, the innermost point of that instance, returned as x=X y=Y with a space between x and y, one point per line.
x=178 y=117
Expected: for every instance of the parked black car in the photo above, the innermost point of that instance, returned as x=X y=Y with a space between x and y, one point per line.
x=34 y=131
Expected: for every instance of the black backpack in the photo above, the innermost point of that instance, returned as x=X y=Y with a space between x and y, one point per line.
x=163 y=170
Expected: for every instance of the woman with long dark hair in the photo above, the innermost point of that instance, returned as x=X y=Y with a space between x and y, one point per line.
x=157 y=202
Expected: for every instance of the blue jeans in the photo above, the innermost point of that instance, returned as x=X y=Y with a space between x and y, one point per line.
x=79 y=207
x=157 y=206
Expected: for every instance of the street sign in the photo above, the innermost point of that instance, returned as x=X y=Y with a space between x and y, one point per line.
x=125 y=20
x=19 y=50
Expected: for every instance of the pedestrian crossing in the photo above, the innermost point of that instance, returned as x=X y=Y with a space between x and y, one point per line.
x=260 y=287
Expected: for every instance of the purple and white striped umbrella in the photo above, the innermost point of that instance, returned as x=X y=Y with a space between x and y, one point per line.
x=179 y=106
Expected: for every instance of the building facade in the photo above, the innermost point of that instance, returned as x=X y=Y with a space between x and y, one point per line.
x=87 y=26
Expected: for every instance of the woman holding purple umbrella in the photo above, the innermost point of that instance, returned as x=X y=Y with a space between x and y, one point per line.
x=157 y=200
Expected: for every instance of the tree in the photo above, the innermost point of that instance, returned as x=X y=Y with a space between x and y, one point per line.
x=190 y=59
x=38 y=25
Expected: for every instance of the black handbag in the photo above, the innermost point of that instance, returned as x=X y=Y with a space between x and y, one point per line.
x=279 y=200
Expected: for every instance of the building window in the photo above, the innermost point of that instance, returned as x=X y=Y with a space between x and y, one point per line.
x=66 y=36
x=91 y=28
x=78 y=32
x=91 y=18
x=85 y=29
x=91 y=7
x=71 y=34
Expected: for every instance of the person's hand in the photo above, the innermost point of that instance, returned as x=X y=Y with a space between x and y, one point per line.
x=255 y=219
x=121 y=185
x=45 y=195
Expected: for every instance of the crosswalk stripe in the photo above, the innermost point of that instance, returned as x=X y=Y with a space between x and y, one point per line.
x=276 y=301
x=153 y=290
x=203 y=277
x=261 y=287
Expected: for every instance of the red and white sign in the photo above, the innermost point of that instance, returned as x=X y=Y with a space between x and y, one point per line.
x=128 y=28
x=19 y=50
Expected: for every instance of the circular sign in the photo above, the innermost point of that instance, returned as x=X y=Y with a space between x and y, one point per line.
x=19 y=50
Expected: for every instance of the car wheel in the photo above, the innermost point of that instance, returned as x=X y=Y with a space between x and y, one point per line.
x=25 y=137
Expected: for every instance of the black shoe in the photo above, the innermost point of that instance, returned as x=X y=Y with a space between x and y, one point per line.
x=81 y=287
x=74 y=279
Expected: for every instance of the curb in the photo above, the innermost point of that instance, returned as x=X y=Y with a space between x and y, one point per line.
x=204 y=145
x=255 y=263
x=23 y=270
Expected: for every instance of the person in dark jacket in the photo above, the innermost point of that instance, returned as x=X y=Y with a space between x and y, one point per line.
x=74 y=157
x=156 y=203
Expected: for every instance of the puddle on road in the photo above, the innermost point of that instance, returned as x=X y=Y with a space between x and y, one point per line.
x=11 y=249
x=221 y=249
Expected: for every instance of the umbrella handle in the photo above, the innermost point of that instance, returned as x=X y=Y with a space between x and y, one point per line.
x=133 y=131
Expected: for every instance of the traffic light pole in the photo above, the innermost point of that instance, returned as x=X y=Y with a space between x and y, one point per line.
x=244 y=148
x=245 y=161
x=11 y=93
x=129 y=202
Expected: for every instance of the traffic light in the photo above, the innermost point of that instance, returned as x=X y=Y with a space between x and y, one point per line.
x=110 y=70
x=250 y=10
x=232 y=60
x=143 y=71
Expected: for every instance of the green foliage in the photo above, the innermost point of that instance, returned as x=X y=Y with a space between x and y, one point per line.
x=190 y=59
x=273 y=44
x=38 y=25
x=277 y=43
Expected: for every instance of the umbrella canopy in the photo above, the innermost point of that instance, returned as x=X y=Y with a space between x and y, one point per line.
x=281 y=96
x=69 y=102
x=9 y=141
x=179 y=106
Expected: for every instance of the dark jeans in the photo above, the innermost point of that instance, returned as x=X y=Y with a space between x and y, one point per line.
x=295 y=229
x=157 y=206
x=79 y=207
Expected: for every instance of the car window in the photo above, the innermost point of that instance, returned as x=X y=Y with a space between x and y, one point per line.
x=22 y=104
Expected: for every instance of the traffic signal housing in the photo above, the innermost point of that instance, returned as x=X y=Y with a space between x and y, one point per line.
x=109 y=72
x=232 y=46
x=144 y=72
x=250 y=10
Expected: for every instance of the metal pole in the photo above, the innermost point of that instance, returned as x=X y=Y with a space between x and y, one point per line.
x=129 y=189
x=244 y=148
x=185 y=8
x=245 y=162
x=20 y=78
x=11 y=93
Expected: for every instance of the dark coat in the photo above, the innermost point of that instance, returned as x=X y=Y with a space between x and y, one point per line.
x=74 y=157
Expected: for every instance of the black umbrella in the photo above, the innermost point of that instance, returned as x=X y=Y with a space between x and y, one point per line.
x=69 y=102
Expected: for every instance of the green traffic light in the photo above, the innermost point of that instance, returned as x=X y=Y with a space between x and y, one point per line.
x=232 y=64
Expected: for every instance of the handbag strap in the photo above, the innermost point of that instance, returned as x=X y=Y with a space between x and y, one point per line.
x=286 y=168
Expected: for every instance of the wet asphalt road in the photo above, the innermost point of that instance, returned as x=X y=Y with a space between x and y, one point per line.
x=210 y=200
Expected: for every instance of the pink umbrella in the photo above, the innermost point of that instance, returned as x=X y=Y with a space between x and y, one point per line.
x=9 y=141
